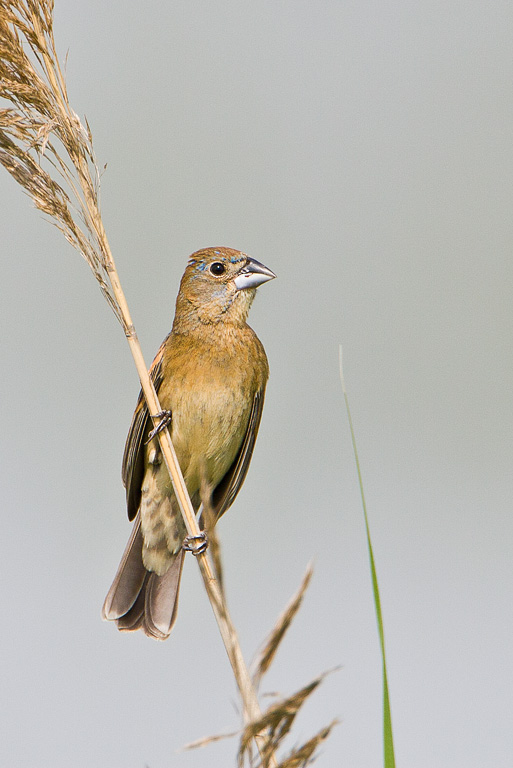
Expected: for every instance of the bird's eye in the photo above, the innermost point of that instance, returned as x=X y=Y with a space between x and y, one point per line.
x=217 y=268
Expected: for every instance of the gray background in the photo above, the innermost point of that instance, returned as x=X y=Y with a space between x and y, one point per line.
x=363 y=151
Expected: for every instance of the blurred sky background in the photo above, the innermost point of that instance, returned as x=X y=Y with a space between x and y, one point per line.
x=364 y=152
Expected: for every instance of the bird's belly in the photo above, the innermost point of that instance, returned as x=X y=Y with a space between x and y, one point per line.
x=208 y=427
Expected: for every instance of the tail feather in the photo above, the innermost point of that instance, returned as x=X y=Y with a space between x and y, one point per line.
x=139 y=599
x=133 y=618
x=161 y=604
x=129 y=578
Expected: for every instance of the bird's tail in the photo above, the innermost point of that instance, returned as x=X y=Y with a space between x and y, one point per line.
x=139 y=599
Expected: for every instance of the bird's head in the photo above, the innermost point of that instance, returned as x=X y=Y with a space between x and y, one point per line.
x=218 y=285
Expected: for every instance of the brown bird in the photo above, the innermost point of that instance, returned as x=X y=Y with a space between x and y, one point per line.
x=210 y=374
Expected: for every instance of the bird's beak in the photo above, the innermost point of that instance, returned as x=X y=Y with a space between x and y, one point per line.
x=253 y=275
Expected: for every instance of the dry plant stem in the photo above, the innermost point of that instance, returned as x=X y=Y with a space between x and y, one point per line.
x=36 y=27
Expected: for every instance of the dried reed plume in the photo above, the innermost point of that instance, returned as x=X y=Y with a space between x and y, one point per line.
x=43 y=127
x=275 y=724
x=49 y=152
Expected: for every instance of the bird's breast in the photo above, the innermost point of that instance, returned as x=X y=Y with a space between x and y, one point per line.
x=210 y=397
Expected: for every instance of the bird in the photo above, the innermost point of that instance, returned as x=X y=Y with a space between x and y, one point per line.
x=210 y=375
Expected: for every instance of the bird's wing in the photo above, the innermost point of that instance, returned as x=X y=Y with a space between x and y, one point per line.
x=227 y=489
x=132 y=471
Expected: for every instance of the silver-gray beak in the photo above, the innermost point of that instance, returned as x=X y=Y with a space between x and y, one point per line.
x=253 y=275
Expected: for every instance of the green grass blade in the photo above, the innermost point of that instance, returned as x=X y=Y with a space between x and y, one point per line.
x=388 y=740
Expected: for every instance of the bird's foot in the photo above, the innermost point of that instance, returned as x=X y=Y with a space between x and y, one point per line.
x=196 y=544
x=165 y=420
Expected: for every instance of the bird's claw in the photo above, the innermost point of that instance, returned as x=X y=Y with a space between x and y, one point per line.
x=165 y=420
x=197 y=545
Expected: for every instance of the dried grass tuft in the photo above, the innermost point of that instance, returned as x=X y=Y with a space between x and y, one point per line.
x=275 y=725
x=43 y=143
x=271 y=729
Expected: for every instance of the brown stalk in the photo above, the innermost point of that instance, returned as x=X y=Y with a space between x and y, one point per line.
x=41 y=122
